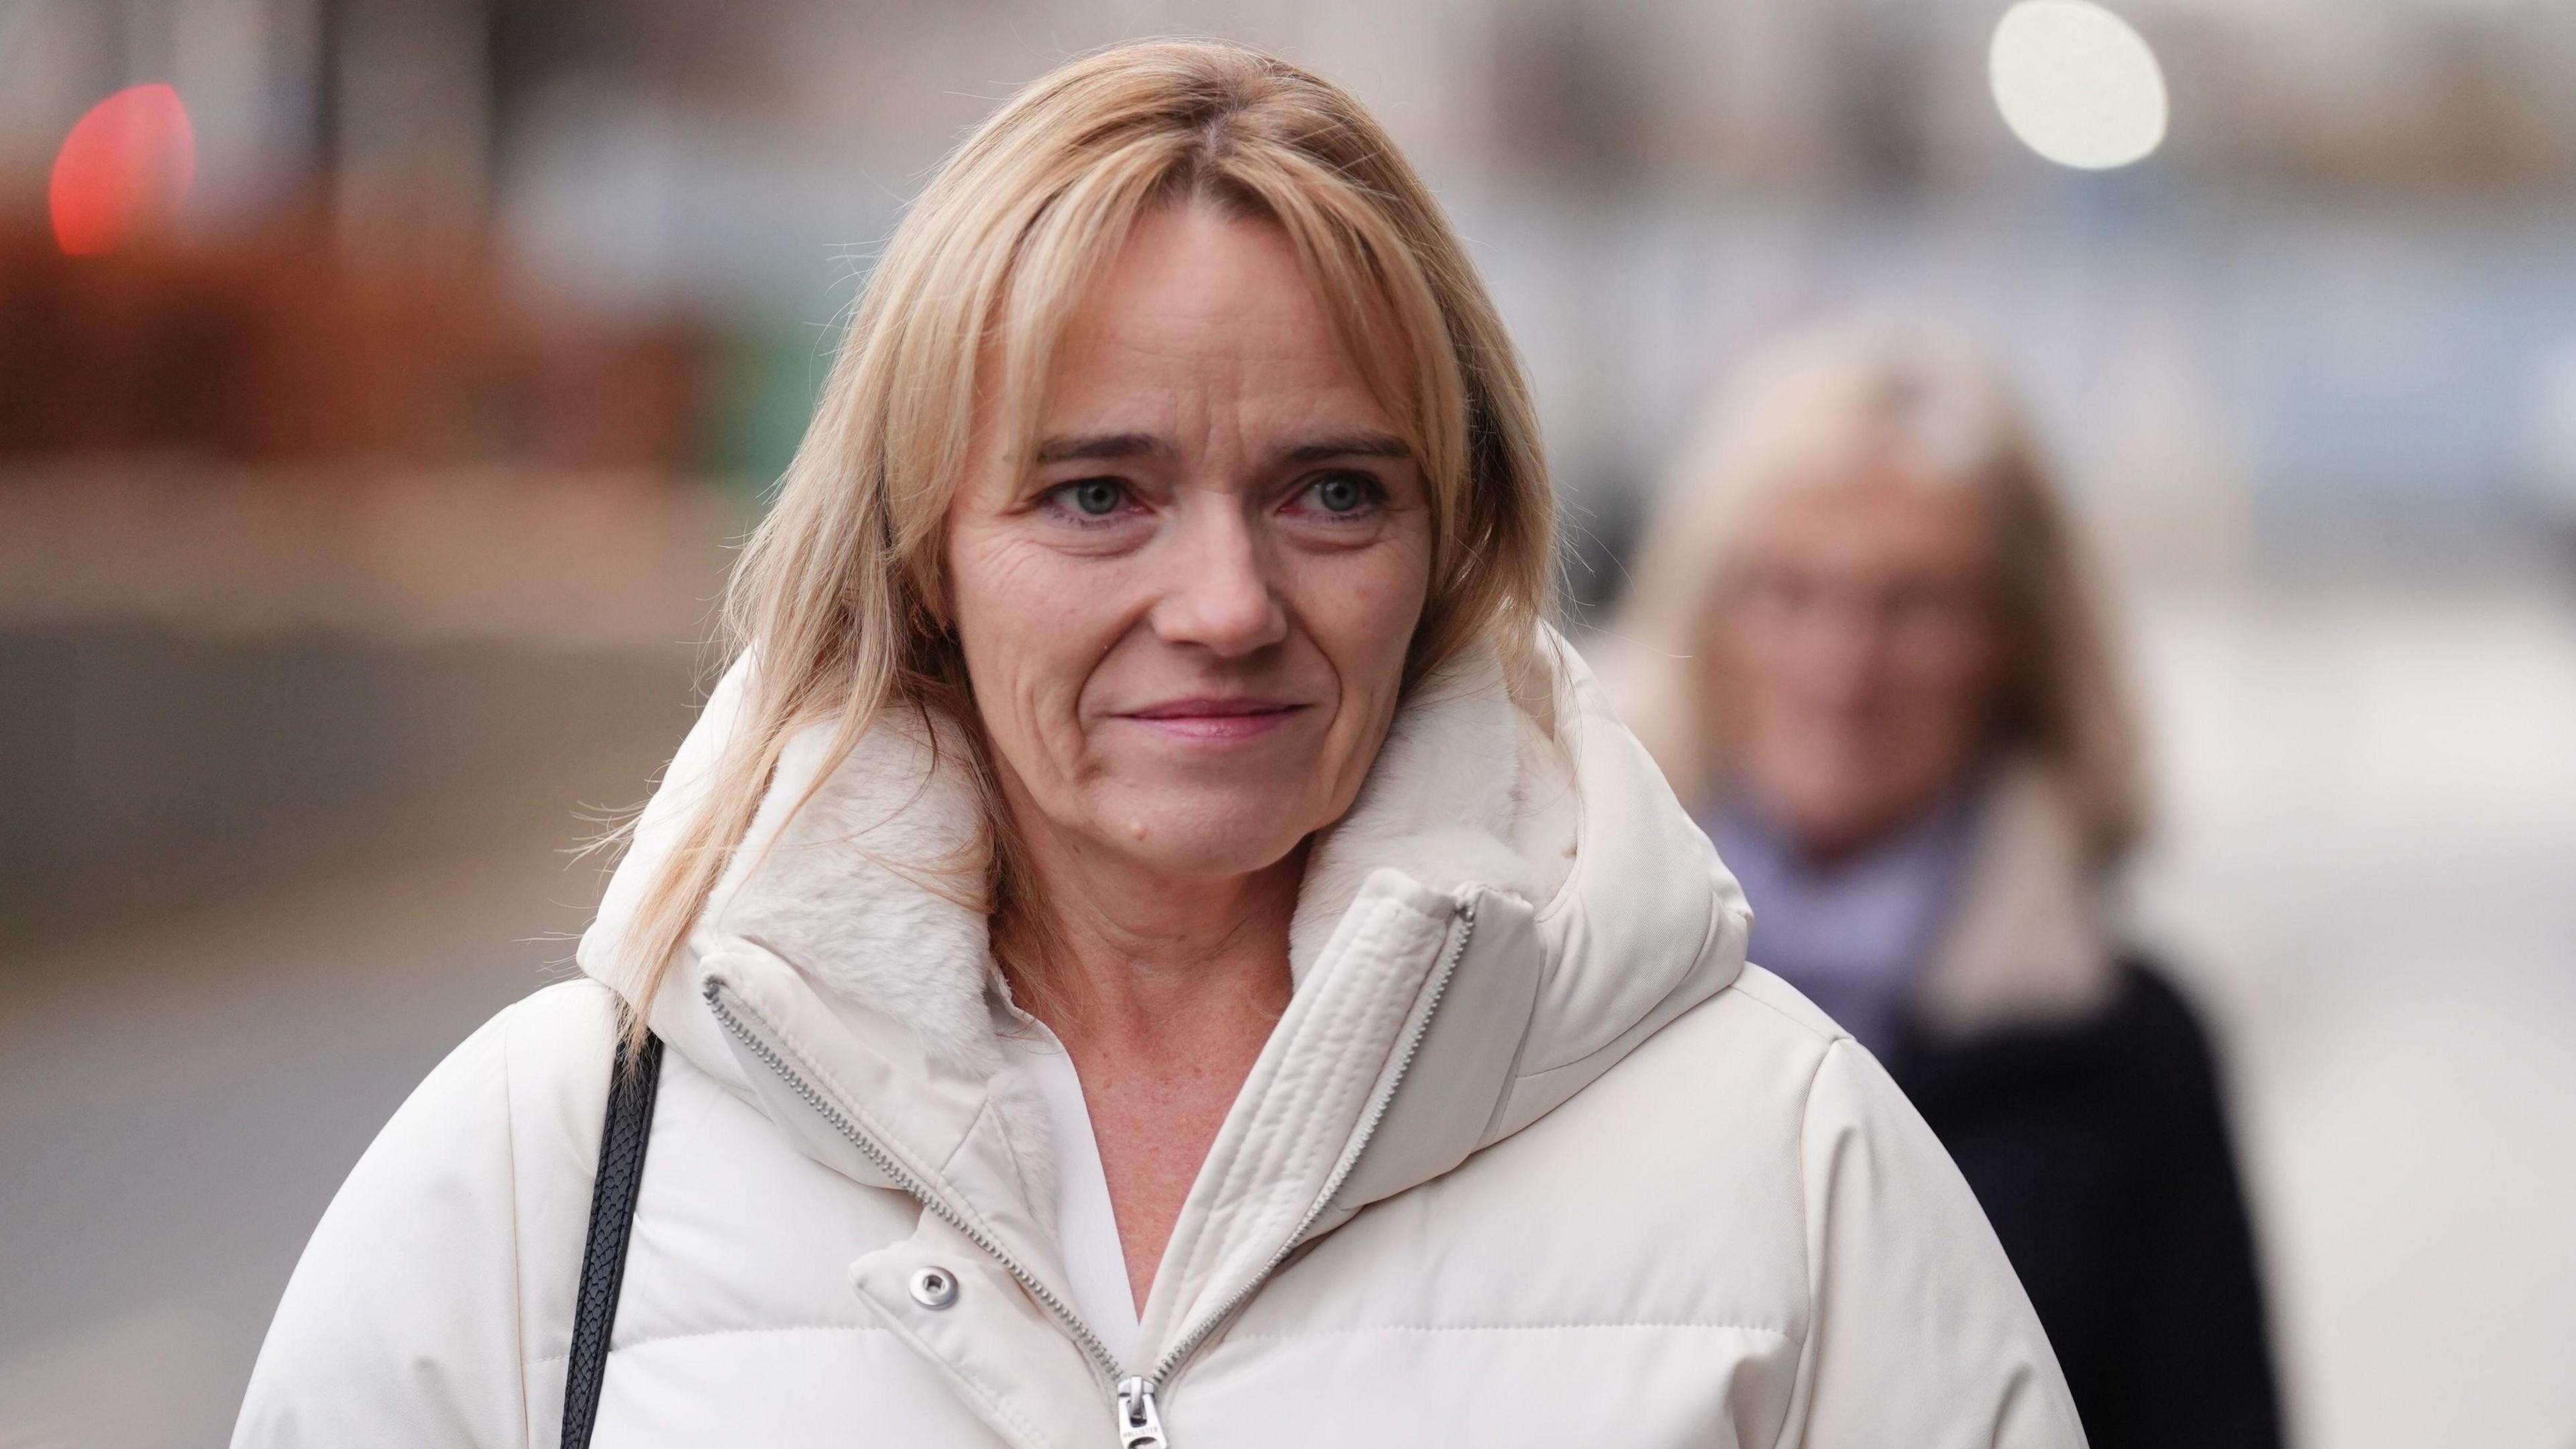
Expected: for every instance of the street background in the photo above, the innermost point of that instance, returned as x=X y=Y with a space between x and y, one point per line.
x=377 y=410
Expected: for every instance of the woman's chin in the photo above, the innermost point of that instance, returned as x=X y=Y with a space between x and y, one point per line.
x=1204 y=840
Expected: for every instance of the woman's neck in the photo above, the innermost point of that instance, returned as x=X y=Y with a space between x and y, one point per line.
x=1140 y=956
x=1164 y=991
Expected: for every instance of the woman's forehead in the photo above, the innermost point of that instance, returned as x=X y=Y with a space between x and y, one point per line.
x=1880 y=518
x=1204 y=320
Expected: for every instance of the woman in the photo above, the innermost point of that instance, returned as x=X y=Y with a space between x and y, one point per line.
x=1155 y=940
x=1862 y=645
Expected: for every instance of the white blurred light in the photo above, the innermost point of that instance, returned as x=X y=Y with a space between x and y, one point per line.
x=2077 y=84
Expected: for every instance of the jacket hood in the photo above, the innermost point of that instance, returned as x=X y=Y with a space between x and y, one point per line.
x=2025 y=944
x=1499 y=919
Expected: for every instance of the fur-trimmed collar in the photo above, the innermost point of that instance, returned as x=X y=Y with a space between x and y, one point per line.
x=1503 y=915
x=2025 y=943
x=870 y=886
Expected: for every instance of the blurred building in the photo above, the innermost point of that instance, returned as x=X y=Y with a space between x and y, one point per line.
x=2339 y=291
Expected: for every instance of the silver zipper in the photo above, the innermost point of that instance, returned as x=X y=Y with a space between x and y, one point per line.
x=1147 y=1387
x=884 y=1162
x=1140 y=1419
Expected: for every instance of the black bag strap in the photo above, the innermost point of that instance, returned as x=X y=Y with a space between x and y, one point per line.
x=631 y=1088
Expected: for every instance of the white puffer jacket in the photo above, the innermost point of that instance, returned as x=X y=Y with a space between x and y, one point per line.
x=1532 y=1159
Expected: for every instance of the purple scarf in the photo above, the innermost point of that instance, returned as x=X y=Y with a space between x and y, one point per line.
x=1854 y=934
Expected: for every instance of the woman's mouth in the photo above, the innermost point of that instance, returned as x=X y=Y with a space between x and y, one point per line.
x=1216 y=719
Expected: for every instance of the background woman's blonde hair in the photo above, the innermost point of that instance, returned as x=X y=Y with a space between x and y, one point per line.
x=1818 y=408
x=839 y=597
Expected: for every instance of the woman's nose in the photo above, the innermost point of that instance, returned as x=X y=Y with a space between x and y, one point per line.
x=1218 y=593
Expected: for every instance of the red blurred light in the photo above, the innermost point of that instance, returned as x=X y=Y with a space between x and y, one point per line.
x=122 y=170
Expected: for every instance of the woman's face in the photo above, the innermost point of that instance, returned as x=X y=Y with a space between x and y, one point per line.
x=1186 y=616
x=1864 y=654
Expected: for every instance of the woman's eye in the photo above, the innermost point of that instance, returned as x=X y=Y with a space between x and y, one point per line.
x=1342 y=493
x=1090 y=497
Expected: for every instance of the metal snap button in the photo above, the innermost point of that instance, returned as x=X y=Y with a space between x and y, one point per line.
x=934 y=1287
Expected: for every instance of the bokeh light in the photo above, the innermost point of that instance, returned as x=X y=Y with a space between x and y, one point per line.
x=2077 y=84
x=123 y=170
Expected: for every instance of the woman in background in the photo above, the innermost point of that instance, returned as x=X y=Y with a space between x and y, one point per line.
x=1863 y=646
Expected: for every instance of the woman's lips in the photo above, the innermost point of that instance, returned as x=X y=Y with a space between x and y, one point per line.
x=1216 y=719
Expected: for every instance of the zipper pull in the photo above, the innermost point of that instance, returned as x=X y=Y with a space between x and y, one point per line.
x=1140 y=1423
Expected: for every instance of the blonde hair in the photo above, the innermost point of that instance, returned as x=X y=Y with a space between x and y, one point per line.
x=1820 y=407
x=838 y=596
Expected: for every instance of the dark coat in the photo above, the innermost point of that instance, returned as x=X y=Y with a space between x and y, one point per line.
x=2100 y=1151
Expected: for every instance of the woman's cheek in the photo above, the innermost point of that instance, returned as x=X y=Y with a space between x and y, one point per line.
x=1363 y=616
x=1014 y=615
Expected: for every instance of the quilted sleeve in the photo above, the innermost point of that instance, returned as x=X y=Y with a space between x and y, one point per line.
x=406 y=1319
x=1920 y=1333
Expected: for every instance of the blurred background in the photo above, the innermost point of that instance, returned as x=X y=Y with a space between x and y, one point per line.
x=382 y=382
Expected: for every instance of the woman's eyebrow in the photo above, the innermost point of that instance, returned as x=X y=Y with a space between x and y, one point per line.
x=1100 y=447
x=1347 y=445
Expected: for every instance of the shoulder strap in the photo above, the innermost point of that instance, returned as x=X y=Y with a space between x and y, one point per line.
x=631 y=1087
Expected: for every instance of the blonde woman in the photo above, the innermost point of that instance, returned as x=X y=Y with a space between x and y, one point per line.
x=1154 y=941
x=1864 y=646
